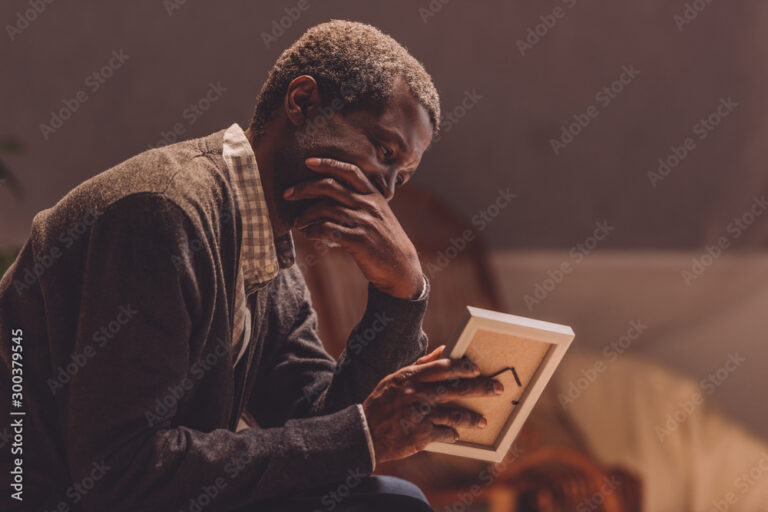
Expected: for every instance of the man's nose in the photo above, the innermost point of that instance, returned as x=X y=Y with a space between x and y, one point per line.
x=386 y=182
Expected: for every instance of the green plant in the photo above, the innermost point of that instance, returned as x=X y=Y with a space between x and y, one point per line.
x=7 y=256
x=10 y=146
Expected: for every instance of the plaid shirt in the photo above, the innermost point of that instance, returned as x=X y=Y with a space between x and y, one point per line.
x=261 y=254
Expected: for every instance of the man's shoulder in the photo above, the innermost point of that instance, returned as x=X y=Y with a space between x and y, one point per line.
x=174 y=170
x=189 y=174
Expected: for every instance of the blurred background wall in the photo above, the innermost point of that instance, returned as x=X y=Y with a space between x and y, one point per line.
x=645 y=121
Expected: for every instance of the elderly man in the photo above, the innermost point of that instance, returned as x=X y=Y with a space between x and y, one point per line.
x=168 y=343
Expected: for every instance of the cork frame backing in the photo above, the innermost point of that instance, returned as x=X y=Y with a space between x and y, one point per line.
x=522 y=353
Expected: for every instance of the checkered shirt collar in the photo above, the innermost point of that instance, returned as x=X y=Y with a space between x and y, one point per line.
x=261 y=254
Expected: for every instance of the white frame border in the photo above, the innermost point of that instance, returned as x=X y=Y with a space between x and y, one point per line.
x=559 y=336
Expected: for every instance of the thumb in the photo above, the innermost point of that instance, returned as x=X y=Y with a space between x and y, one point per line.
x=432 y=356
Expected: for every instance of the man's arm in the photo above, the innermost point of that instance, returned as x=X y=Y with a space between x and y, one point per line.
x=161 y=465
x=300 y=379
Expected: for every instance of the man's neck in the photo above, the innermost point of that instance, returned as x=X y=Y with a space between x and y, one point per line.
x=263 y=151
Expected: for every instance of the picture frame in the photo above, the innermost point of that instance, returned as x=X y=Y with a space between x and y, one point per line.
x=523 y=353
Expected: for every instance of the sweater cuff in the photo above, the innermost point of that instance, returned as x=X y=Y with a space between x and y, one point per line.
x=368 y=436
x=331 y=447
x=424 y=290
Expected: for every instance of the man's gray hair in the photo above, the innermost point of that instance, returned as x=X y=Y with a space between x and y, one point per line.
x=351 y=61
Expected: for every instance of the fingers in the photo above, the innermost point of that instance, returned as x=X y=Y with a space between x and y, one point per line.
x=348 y=174
x=443 y=434
x=432 y=356
x=445 y=369
x=447 y=391
x=325 y=210
x=330 y=231
x=321 y=188
x=457 y=417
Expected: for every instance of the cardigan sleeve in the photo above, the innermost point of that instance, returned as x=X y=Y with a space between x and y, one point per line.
x=300 y=379
x=140 y=265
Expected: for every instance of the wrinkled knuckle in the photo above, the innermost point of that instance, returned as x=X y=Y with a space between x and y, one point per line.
x=327 y=227
x=369 y=205
x=374 y=211
x=356 y=235
x=403 y=376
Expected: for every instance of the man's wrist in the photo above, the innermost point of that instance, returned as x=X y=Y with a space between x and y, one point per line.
x=416 y=290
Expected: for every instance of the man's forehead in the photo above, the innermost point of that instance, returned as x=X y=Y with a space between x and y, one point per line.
x=405 y=117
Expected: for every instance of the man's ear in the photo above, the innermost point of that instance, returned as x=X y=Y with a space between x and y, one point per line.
x=302 y=99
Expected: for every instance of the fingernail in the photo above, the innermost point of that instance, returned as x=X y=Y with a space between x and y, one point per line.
x=312 y=161
x=482 y=423
x=288 y=192
x=498 y=388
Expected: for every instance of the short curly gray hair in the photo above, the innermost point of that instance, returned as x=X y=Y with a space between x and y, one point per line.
x=349 y=60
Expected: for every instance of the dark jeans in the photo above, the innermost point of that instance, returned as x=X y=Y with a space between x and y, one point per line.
x=368 y=494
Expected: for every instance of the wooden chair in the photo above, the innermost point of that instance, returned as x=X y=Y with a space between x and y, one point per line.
x=534 y=476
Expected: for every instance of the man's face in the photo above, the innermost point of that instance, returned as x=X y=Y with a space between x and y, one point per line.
x=386 y=142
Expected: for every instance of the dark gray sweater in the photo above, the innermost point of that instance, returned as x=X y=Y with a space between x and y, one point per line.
x=124 y=294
